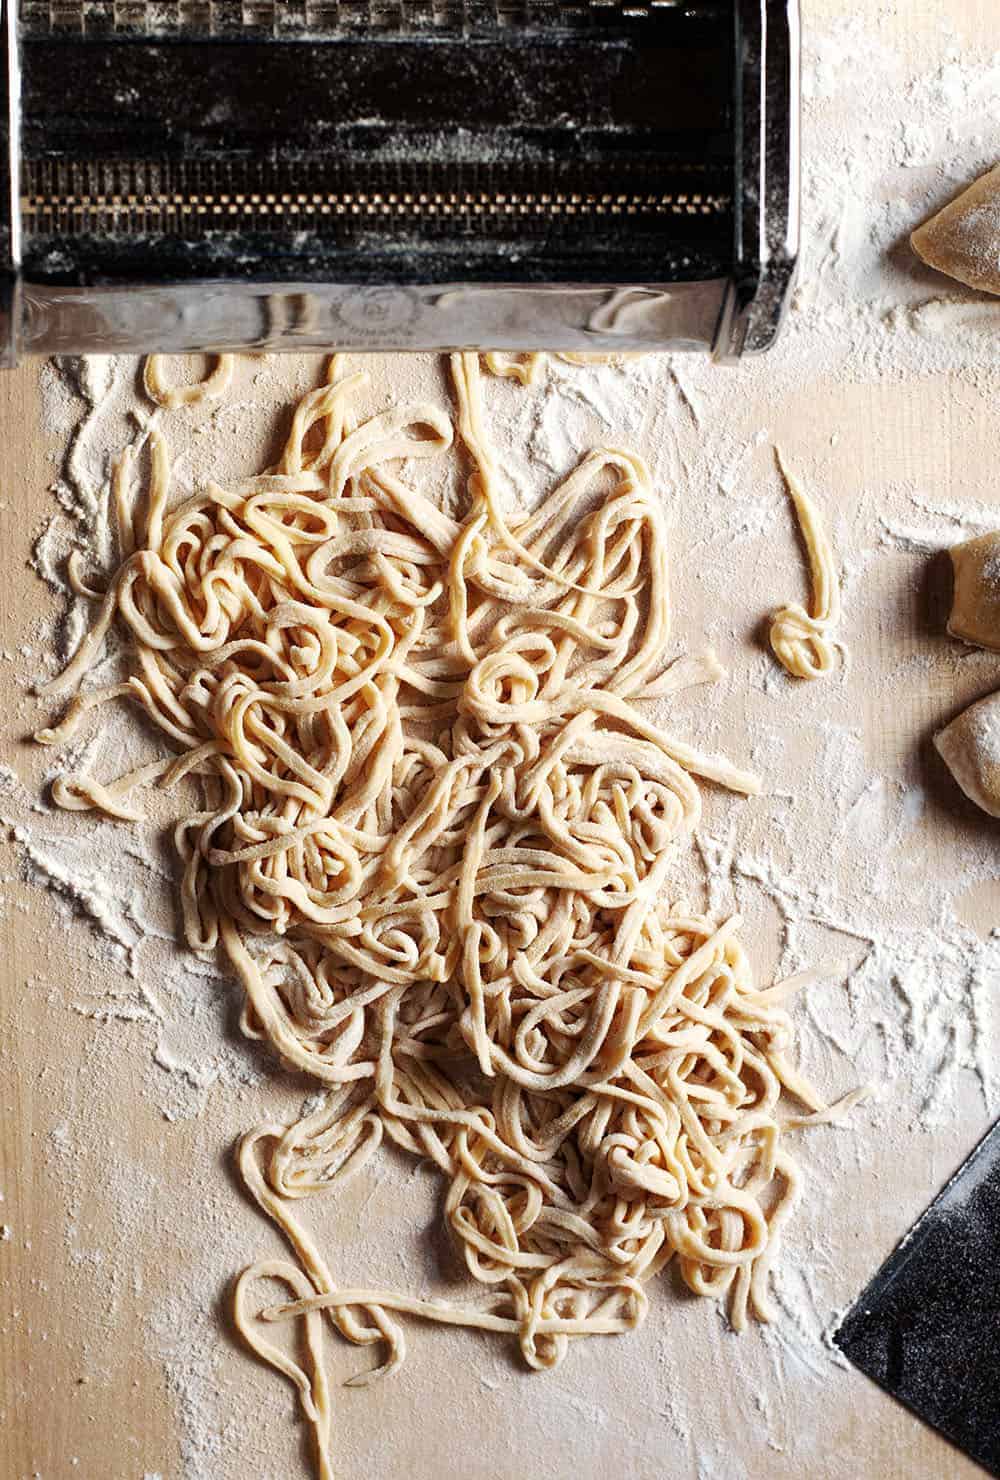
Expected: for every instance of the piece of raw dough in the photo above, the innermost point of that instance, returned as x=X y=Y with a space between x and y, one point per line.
x=970 y=747
x=963 y=240
x=975 y=604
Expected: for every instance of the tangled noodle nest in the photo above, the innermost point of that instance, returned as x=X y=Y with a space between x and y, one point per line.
x=435 y=845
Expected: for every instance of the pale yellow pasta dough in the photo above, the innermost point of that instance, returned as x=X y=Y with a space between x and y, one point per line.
x=963 y=240
x=975 y=605
x=970 y=747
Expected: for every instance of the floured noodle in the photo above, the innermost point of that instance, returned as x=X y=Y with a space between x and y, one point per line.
x=435 y=843
x=526 y=368
x=170 y=397
x=802 y=642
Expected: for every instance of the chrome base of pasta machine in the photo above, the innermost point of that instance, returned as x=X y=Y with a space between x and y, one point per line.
x=311 y=316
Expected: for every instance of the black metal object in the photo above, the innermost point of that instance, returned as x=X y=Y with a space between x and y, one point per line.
x=440 y=158
x=927 y=1328
x=413 y=145
x=766 y=189
x=10 y=204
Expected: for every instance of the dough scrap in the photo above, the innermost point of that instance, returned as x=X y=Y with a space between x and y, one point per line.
x=970 y=748
x=975 y=604
x=802 y=641
x=963 y=240
x=172 y=397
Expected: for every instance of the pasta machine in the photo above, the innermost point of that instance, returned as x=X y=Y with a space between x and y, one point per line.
x=598 y=175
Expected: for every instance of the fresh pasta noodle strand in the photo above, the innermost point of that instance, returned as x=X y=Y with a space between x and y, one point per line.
x=85 y=793
x=802 y=641
x=78 y=708
x=87 y=653
x=171 y=397
x=589 y=357
x=434 y=845
x=524 y=368
x=449 y=1315
x=836 y=1113
x=527 y=368
x=77 y=580
x=310 y=1383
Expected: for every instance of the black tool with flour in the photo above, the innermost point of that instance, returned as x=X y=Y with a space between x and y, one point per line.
x=585 y=175
x=927 y=1328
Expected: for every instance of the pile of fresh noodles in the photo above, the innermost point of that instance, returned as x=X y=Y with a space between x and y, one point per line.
x=435 y=844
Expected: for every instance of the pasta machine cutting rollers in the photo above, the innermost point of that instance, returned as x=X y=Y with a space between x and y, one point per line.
x=397 y=174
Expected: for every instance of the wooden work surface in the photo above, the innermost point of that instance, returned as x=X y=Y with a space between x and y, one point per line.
x=83 y=1390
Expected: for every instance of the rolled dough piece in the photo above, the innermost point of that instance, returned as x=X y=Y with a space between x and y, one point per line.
x=975 y=605
x=963 y=240
x=970 y=747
